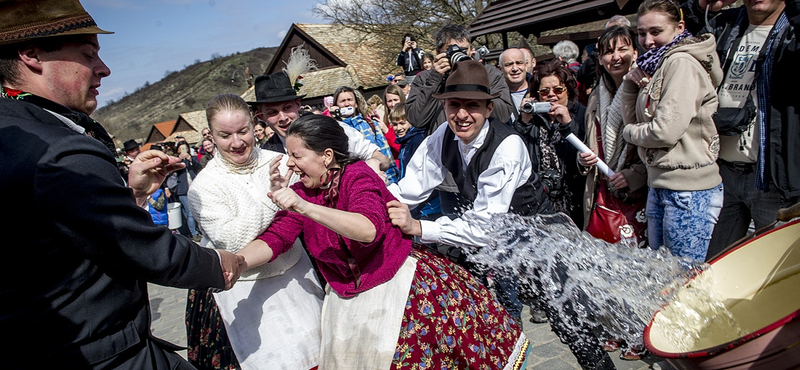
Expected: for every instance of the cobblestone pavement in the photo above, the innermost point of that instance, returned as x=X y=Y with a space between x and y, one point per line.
x=168 y=306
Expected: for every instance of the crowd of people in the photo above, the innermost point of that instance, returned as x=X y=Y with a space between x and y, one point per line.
x=339 y=236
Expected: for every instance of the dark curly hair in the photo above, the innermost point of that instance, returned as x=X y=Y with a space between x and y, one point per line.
x=321 y=132
x=558 y=69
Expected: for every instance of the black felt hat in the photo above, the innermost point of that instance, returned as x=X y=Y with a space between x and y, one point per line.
x=274 y=88
x=130 y=145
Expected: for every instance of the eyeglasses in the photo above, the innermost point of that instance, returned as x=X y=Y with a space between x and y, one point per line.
x=556 y=89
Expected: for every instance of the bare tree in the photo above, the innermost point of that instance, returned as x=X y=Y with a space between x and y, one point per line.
x=391 y=19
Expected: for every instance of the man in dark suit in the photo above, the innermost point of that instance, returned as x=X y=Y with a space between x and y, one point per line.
x=79 y=246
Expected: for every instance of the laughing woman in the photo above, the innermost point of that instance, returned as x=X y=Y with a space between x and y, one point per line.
x=388 y=304
x=270 y=319
x=667 y=105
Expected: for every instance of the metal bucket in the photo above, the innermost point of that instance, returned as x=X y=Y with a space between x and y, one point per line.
x=759 y=282
x=174 y=215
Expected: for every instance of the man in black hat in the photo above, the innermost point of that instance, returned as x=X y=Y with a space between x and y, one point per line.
x=131 y=148
x=489 y=163
x=81 y=245
x=279 y=105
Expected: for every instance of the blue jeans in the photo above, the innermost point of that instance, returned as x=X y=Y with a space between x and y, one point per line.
x=743 y=202
x=187 y=211
x=683 y=220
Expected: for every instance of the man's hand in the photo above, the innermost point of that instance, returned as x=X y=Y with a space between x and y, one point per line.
x=716 y=5
x=618 y=181
x=441 y=64
x=149 y=170
x=401 y=217
x=232 y=267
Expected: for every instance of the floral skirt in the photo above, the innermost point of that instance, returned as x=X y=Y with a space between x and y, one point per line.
x=452 y=321
x=207 y=340
x=431 y=315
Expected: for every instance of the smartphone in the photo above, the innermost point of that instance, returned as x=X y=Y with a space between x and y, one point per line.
x=408 y=39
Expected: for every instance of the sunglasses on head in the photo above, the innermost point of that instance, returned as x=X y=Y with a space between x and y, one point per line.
x=556 y=89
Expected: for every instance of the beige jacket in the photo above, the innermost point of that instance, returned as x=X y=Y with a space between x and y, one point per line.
x=670 y=118
x=633 y=168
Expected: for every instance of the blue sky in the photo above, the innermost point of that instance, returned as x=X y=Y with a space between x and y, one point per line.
x=152 y=37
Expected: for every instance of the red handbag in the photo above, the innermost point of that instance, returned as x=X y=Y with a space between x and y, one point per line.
x=612 y=219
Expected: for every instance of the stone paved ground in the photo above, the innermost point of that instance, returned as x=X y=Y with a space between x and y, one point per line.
x=168 y=306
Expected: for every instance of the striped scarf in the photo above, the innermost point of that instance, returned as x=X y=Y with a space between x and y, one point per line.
x=650 y=60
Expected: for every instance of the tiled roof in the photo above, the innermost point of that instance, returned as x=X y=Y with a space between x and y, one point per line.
x=364 y=67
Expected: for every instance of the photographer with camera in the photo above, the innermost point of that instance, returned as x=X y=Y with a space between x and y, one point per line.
x=410 y=57
x=544 y=123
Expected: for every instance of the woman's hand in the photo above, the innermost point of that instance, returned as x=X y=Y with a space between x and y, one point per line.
x=560 y=113
x=287 y=200
x=618 y=181
x=587 y=160
x=638 y=77
x=401 y=217
x=276 y=180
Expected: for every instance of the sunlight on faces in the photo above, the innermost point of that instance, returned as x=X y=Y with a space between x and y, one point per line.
x=73 y=74
x=427 y=63
x=208 y=145
x=466 y=117
x=549 y=82
x=310 y=166
x=400 y=128
x=514 y=66
x=259 y=132
x=617 y=60
x=656 y=29
x=346 y=99
x=233 y=133
x=280 y=115
x=392 y=100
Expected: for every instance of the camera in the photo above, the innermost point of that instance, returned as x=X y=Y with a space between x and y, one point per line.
x=482 y=52
x=535 y=107
x=343 y=112
x=552 y=181
x=456 y=54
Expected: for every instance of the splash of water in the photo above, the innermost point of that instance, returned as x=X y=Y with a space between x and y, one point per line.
x=612 y=286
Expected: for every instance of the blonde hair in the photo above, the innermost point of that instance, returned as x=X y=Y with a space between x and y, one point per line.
x=225 y=103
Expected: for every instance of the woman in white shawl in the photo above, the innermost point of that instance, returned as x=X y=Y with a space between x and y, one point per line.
x=616 y=51
x=272 y=315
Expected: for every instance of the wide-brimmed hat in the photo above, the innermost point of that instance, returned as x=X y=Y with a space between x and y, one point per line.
x=130 y=145
x=23 y=20
x=468 y=80
x=274 y=88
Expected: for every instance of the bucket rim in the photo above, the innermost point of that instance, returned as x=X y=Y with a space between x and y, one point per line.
x=724 y=347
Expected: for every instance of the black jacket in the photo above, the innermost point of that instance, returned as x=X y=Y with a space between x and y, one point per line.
x=783 y=122
x=78 y=250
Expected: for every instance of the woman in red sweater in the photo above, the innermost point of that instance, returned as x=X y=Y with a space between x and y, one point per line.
x=388 y=304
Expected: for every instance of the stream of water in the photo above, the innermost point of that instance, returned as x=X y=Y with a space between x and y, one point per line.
x=611 y=286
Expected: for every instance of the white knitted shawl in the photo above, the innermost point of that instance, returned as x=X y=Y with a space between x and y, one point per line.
x=233 y=209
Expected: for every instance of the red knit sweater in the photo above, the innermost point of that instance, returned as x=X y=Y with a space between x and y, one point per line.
x=350 y=267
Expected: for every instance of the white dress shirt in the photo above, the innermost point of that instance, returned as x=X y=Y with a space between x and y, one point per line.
x=509 y=168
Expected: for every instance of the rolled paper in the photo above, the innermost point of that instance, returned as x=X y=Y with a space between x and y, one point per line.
x=577 y=143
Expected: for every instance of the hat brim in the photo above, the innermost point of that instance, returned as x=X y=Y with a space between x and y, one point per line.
x=277 y=99
x=474 y=95
x=91 y=30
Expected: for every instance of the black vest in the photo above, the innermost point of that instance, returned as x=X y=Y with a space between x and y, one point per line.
x=528 y=199
x=274 y=144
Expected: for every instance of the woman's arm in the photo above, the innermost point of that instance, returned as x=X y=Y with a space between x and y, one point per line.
x=353 y=226
x=255 y=253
